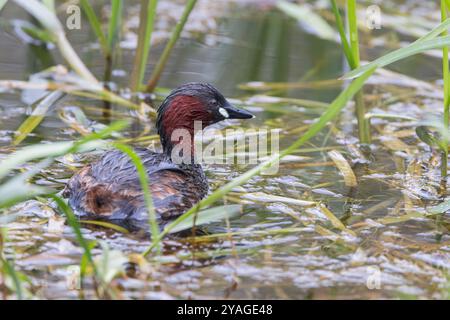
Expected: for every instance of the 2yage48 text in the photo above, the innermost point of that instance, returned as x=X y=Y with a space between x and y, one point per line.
x=225 y=309
x=246 y=309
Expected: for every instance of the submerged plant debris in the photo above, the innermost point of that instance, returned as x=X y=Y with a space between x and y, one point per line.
x=338 y=220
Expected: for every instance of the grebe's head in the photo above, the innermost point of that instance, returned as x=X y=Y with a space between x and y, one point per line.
x=193 y=102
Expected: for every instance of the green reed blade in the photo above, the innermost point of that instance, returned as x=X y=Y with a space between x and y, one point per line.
x=208 y=216
x=168 y=49
x=444 y=25
x=2 y=4
x=360 y=108
x=96 y=26
x=146 y=23
x=422 y=44
x=114 y=23
x=412 y=49
x=74 y=224
x=37 y=116
x=19 y=189
x=143 y=179
x=353 y=30
x=86 y=245
x=341 y=28
x=55 y=149
x=9 y=269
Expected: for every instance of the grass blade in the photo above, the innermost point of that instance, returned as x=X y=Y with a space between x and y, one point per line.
x=6 y=268
x=412 y=49
x=353 y=31
x=333 y=110
x=439 y=208
x=18 y=189
x=168 y=49
x=345 y=45
x=208 y=216
x=114 y=23
x=360 y=108
x=2 y=4
x=436 y=31
x=86 y=245
x=9 y=269
x=74 y=224
x=39 y=151
x=42 y=14
x=86 y=89
x=146 y=23
x=143 y=179
x=96 y=26
x=37 y=116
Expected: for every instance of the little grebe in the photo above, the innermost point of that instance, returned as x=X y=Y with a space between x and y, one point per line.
x=110 y=188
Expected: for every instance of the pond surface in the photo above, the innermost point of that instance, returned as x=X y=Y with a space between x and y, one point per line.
x=278 y=248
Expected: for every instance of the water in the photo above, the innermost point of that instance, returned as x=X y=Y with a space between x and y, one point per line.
x=278 y=249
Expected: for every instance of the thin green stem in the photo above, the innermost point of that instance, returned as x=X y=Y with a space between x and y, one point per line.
x=8 y=268
x=114 y=23
x=341 y=28
x=146 y=22
x=143 y=179
x=353 y=30
x=2 y=4
x=96 y=26
x=73 y=222
x=168 y=49
x=360 y=108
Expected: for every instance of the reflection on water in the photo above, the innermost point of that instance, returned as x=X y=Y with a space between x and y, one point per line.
x=278 y=249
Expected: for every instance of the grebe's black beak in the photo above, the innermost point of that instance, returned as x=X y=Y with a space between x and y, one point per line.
x=228 y=111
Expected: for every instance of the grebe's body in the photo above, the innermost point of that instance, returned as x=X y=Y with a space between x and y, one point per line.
x=110 y=188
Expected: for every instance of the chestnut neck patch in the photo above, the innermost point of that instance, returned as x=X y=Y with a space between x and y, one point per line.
x=181 y=112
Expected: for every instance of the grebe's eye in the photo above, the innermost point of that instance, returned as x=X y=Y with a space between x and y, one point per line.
x=214 y=103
